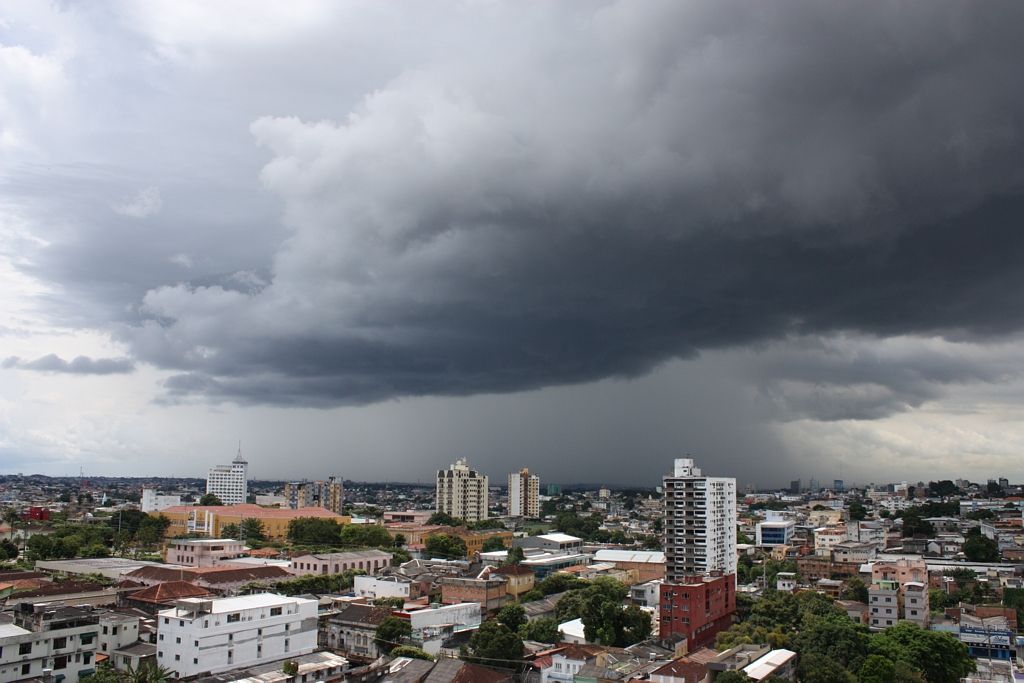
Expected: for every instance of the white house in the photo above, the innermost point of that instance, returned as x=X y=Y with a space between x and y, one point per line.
x=198 y=636
x=374 y=587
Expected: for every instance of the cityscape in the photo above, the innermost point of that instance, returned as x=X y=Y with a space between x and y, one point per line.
x=486 y=341
x=231 y=579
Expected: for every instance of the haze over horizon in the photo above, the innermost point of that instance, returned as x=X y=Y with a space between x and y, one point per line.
x=585 y=238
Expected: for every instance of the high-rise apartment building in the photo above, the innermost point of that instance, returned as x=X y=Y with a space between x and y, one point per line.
x=462 y=492
x=523 y=494
x=329 y=494
x=230 y=483
x=700 y=523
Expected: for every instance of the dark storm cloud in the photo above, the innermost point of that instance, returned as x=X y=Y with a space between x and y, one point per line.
x=80 y=365
x=587 y=193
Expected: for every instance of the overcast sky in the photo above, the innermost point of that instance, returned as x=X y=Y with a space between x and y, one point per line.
x=368 y=238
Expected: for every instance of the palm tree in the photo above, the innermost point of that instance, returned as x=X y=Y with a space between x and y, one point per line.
x=148 y=673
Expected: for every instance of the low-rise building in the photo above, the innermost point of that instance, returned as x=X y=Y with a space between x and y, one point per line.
x=490 y=593
x=198 y=636
x=208 y=520
x=774 y=532
x=49 y=639
x=202 y=552
x=554 y=542
x=369 y=561
x=698 y=609
x=518 y=579
x=649 y=564
x=352 y=630
x=373 y=587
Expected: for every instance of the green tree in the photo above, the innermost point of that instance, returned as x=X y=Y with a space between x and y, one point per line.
x=444 y=519
x=391 y=633
x=816 y=668
x=210 y=499
x=876 y=669
x=914 y=524
x=516 y=555
x=445 y=546
x=980 y=548
x=542 y=630
x=834 y=637
x=512 y=615
x=399 y=541
x=12 y=519
x=412 y=652
x=152 y=529
x=365 y=535
x=493 y=543
x=315 y=531
x=733 y=676
x=939 y=657
x=495 y=644
x=855 y=589
x=858 y=511
x=252 y=529
x=232 y=531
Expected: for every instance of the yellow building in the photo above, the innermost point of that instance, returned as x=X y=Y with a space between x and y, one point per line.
x=475 y=539
x=208 y=520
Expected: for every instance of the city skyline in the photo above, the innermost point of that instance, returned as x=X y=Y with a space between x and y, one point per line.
x=373 y=239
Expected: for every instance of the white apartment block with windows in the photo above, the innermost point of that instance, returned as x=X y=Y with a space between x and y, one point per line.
x=523 y=494
x=700 y=523
x=462 y=492
x=49 y=639
x=198 y=636
x=230 y=483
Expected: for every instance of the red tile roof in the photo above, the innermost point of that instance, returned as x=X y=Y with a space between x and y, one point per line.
x=250 y=510
x=168 y=592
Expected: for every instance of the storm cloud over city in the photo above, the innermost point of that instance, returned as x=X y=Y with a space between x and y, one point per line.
x=375 y=237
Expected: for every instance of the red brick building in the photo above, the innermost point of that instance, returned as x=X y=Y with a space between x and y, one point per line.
x=698 y=609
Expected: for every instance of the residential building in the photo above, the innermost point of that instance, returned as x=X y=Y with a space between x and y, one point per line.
x=230 y=483
x=826 y=538
x=202 y=552
x=328 y=494
x=212 y=636
x=369 y=561
x=353 y=627
x=47 y=638
x=523 y=494
x=700 y=523
x=209 y=520
x=221 y=579
x=374 y=587
x=988 y=637
x=898 y=590
x=475 y=540
x=462 y=492
x=490 y=593
x=697 y=608
x=518 y=579
x=153 y=501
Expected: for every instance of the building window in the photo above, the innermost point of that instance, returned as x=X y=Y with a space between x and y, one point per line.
x=195 y=660
x=86 y=658
x=25 y=668
x=60 y=662
x=177 y=658
x=275 y=611
x=177 y=641
x=59 y=643
x=87 y=638
x=25 y=649
x=234 y=618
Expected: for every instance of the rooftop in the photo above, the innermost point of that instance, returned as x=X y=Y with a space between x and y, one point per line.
x=647 y=556
x=235 y=604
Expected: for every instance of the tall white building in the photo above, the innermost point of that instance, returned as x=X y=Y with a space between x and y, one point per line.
x=700 y=523
x=462 y=492
x=230 y=483
x=198 y=635
x=523 y=494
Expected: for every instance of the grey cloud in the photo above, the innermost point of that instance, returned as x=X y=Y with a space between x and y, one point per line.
x=80 y=365
x=648 y=181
